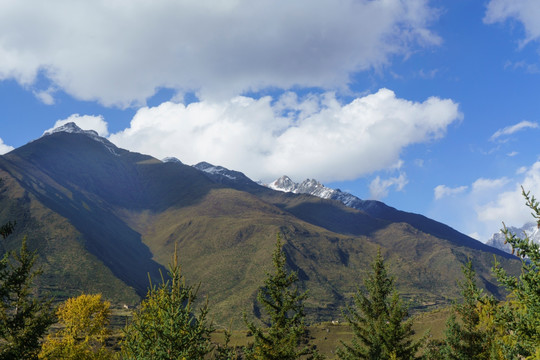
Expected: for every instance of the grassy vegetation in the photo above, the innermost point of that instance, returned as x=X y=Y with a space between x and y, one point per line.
x=102 y=220
x=67 y=266
x=327 y=336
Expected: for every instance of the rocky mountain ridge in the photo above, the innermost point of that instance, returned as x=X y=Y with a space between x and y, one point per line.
x=498 y=239
x=102 y=220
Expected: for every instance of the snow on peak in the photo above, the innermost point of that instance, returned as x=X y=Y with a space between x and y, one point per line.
x=284 y=184
x=213 y=169
x=308 y=186
x=315 y=188
x=171 y=159
x=72 y=128
x=530 y=229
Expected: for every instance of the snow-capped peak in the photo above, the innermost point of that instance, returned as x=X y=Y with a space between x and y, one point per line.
x=315 y=188
x=308 y=186
x=171 y=159
x=530 y=229
x=213 y=169
x=72 y=128
x=284 y=184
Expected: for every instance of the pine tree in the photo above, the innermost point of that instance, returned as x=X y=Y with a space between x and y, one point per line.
x=284 y=332
x=165 y=326
x=84 y=332
x=24 y=319
x=225 y=351
x=379 y=321
x=517 y=319
x=465 y=339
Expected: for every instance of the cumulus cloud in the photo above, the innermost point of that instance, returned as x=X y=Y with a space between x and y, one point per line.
x=86 y=122
x=5 y=148
x=509 y=130
x=120 y=52
x=442 y=191
x=508 y=205
x=379 y=188
x=525 y=11
x=483 y=206
x=315 y=136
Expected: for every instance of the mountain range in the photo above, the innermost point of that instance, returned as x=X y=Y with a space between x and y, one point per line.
x=104 y=219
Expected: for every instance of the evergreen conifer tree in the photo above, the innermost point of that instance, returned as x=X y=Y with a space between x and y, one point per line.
x=165 y=327
x=465 y=339
x=379 y=320
x=284 y=333
x=24 y=318
x=517 y=320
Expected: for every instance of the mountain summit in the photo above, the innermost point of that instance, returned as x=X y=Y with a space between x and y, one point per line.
x=102 y=218
x=72 y=128
x=313 y=187
x=498 y=239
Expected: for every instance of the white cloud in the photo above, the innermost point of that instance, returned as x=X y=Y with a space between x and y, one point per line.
x=509 y=130
x=483 y=184
x=86 y=122
x=315 y=136
x=120 y=52
x=379 y=188
x=484 y=205
x=442 y=191
x=5 y=148
x=508 y=205
x=45 y=96
x=525 y=11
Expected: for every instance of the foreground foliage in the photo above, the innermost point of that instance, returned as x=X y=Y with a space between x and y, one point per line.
x=283 y=335
x=484 y=328
x=165 y=326
x=24 y=319
x=83 y=335
x=515 y=323
x=379 y=320
x=464 y=337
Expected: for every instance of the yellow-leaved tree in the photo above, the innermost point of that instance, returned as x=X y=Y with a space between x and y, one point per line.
x=84 y=320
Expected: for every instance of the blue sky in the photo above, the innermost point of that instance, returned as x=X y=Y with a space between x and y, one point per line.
x=430 y=106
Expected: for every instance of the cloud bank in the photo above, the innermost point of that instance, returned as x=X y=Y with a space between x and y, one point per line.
x=119 y=52
x=314 y=136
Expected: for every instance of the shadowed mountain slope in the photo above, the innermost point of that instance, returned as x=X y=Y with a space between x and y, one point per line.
x=102 y=218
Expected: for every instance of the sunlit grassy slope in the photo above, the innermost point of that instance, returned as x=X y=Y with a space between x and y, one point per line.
x=103 y=218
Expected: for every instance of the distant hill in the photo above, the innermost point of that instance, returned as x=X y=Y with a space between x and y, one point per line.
x=103 y=218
